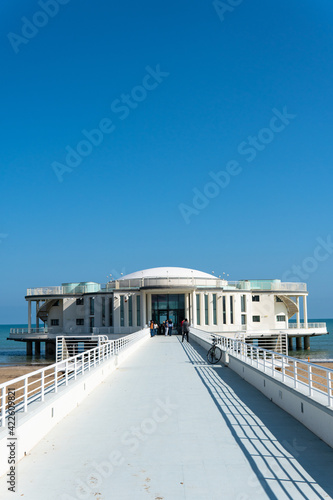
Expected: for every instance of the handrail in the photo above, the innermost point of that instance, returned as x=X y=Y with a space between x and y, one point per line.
x=308 y=378
x=34 y=386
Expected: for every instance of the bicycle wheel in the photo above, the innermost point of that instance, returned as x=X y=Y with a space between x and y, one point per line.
x=214 y=355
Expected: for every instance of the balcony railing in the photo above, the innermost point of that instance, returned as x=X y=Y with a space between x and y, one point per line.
x=309 y=325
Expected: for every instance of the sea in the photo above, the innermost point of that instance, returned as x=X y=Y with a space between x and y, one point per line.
x=14 y=353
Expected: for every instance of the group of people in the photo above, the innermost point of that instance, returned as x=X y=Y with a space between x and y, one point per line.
x=167 y=326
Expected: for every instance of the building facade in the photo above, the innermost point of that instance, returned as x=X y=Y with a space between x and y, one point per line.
x=125 y=305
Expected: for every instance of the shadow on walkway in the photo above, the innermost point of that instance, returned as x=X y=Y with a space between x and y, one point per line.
x=287 y=459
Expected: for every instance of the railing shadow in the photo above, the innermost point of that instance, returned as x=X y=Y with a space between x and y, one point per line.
x=287 y=459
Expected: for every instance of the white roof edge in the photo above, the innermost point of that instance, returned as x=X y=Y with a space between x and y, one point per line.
x=168 y=272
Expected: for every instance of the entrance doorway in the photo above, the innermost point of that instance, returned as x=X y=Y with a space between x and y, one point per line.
x=168 y=306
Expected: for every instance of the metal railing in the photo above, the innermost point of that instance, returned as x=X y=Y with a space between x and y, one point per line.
x=307 y=378
x=36 y=385
x=135 y=284
x=25 y=331
x=67 y=347
x=304 y=325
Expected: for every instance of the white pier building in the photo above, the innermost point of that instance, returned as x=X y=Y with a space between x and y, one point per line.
x=126 y=305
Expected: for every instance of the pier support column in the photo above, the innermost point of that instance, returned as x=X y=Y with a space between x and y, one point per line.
x=29 y=316
x=298 y=342
x=290 y=344
x=29 y=348
x=37 y=348
x=298 y=316
x=306 y=340
x=37 y=317
x=305 y=312
x=50 y=349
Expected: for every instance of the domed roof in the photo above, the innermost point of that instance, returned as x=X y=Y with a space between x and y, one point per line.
x=168 y=272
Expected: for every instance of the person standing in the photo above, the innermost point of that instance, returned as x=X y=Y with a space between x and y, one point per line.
x=155 y=328
x=185 y=330
x=166 y=328
x=152 y=328
x=170 y=327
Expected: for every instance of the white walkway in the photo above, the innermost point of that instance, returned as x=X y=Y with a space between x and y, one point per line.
x=167 y=426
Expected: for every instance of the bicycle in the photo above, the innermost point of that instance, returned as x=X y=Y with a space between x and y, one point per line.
x=215 y=353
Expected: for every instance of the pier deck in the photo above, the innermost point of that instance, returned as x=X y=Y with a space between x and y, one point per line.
x=168 y=426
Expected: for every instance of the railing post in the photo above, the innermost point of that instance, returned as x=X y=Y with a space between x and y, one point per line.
x=273 y=371
x=282 y=369
x=3 y=406
x=42 y=385
x=55 y=379
x=89 y=360
x=310 y=379
x=75 y=368
x=66 y=373
x=25 y=395
x=295 y=374
x=329 y=388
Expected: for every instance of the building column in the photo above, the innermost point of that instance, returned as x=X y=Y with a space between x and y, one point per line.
x=37 y=310
x=202 y=311
x=306 y=340
x=290 y=343
x=149 y=306
x=299 y=342
x=227 y=308
x=194 y=309
x=29 y=348
x=298 y=316
x=210 y=308
x=116 y=313
x=29 y=316
x=305 y=311
x=37 y=348
x=187 y=306
x=143 y=309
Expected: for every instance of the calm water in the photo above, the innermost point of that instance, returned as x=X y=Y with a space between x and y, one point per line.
x=14 y=353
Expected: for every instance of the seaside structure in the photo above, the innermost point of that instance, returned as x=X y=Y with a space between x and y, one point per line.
x=211 y=303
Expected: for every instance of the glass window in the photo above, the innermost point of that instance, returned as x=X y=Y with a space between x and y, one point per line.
x=122 y=310
x=92 y=306
x=54 y=322
x=198 y=309
x=130 y=313
x=80 y=302
x=256 y=319
x=231 y=309
x=206 y=309
x=280 y=318
x=173 y=301
x=138 y=314
x=80 y=321
x=243 y=319
x=111 y=311
x=243 y=303
x=224 y=310
x=214 y=309
x=255 y=298
x=103 y=311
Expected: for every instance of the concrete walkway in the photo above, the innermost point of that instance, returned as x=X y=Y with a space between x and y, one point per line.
x=168 y=426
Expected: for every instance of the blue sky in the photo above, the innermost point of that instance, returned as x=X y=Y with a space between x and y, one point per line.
x=221 y=79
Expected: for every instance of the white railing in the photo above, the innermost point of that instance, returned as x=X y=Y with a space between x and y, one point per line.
x=309 y=325
x=307 y=378
x=36 y=385
x=47 y=290
x=67 y=347
x=27 y=331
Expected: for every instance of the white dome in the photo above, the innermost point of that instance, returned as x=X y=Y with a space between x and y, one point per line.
x=168 y=272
